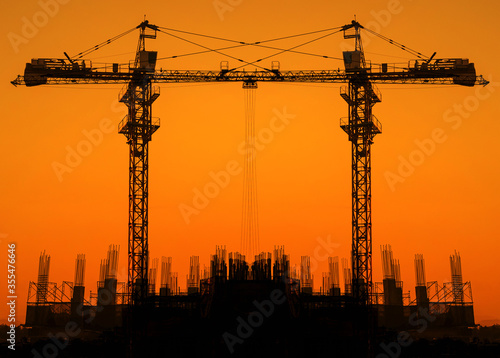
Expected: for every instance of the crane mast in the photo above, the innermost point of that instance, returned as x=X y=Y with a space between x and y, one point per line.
x=361 y=126
x=138 y=127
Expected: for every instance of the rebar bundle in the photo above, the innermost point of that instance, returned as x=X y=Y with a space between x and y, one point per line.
x=193 y=278
x=281 y=268
x=420 y=270
x=80 y=263
x=331 y=279
x=387 y=262
x=456 y=277
x=218 y=263
x=261 y=268
x=306 y=277
x=166 y=271
x=153 y=272
x=347 y=276
x=112 y=262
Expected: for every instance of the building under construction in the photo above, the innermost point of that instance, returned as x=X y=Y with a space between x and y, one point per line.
x=249 y=303
x=270 y=297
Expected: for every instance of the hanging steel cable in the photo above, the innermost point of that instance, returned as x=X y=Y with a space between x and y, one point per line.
x=102 y=44
x=250 y=213
x=397 y=44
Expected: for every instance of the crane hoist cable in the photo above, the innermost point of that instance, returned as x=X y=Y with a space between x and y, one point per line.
x=118 y=54
x=200 y=52
x=397 y=44
x=291 y=48
x=297 y=52
x=201 y=35
x=210 y=49
x=102 y=44
x=256 y=44
x=381 y=54
x=240 y=42
x=250 y=44
x=243 y=44
x=298 y=35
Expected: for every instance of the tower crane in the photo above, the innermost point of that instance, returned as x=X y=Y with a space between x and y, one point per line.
x=361 y=126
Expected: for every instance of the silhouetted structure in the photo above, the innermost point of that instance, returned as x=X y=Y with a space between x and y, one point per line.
x=331 y=279
x=234 y=286
x=421 y=284
x=78 y=298
x=52 y=306
x=392 y=315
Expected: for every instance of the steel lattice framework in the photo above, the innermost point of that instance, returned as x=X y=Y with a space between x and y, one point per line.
x=361 y=126
x=65 y=75
x=138 y=127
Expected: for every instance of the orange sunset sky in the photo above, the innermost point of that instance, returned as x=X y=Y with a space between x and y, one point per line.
x=448 y=200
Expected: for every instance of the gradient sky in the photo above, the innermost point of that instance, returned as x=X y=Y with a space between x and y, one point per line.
x=448 y=202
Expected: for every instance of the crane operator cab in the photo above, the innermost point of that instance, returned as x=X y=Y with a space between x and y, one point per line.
x=353 y=61
x=147 y=60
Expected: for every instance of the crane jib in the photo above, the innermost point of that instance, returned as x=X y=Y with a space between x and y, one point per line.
x=60 y=71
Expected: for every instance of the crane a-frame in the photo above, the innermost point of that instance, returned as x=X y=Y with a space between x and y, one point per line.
x=361 y=125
